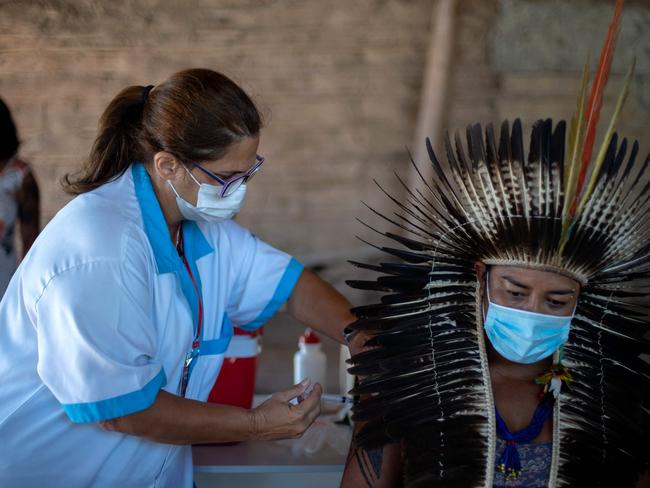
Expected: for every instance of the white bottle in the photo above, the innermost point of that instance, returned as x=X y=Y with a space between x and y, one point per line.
x=310 y=361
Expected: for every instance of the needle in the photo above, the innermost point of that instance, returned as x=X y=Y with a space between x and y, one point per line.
x=325 y=398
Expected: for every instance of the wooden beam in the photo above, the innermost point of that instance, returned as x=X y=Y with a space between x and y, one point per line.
x=431 y=111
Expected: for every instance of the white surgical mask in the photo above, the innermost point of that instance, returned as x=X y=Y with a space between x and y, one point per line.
x=524 y=337
x=210 y=207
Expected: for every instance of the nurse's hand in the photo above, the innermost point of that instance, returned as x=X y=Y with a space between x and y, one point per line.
x=276 y=418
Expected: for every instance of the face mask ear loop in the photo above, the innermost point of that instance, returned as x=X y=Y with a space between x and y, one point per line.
x=174 y=189
x=178 y=195
x=191 y=175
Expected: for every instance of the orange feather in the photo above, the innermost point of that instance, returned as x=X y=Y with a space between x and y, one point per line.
x=592 y=110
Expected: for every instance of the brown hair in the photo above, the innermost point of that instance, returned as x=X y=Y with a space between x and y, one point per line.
x=196 y=115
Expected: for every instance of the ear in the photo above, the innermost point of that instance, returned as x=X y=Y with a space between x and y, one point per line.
x=166 y=165
x=480 y=269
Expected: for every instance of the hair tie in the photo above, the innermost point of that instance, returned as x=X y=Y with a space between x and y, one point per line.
x=145 y=93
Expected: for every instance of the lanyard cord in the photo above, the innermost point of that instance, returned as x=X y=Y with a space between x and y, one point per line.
x=181 y=252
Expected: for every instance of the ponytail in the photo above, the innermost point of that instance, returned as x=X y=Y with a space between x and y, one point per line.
x=116 y=145
x=196 y=115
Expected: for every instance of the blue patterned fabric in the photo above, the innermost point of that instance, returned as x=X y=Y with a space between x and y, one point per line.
x=536 y=463
x=509 y=462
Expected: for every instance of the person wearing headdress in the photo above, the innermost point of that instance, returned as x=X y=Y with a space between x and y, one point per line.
x=511 y=346
x=19 y=199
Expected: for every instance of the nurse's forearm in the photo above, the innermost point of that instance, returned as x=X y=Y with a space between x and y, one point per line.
x=176 y=420
x=318 y=305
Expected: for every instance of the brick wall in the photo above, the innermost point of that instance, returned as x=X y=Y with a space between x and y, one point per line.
x=524 y=58
x=338 y=82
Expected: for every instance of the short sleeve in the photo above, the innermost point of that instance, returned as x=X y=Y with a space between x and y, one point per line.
x=96 y=341
x=264 y=279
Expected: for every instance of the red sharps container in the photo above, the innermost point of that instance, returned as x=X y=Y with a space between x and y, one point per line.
x=235 y=384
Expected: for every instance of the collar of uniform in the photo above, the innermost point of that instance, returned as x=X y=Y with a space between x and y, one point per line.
x=196 y=245
x=167 y=260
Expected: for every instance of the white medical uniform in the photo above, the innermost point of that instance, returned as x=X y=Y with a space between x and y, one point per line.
x=100 y=316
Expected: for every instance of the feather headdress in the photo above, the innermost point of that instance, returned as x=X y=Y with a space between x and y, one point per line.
x=425 y=377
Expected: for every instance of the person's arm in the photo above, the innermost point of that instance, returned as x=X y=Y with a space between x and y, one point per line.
x=176 y=420
x=380 y=467
x=318 y=305
x=29 y=214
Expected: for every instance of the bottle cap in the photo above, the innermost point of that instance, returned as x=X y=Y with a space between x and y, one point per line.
x=309 y=337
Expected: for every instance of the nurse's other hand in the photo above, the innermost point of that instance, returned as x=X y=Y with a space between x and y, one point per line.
x=276 y=418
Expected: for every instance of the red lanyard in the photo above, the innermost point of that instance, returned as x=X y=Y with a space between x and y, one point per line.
x=181 y=252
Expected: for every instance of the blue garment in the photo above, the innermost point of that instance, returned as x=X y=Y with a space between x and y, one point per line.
x=509 y=462
x=536 y=463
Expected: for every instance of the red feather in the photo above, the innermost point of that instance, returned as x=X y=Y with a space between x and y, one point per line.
x=592 y=109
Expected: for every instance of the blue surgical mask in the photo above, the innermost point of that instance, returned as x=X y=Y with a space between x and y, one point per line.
x=524 y=337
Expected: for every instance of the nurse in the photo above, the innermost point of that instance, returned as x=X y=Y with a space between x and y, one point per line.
x=114 y=327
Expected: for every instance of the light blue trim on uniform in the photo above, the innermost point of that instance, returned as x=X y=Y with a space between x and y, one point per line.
x=117 y=406
x=155 y=227
x=282 y=293
x=220 y=345
x=196 y=245
x=167 y=259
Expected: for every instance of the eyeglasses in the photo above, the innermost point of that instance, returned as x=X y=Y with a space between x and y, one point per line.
x=230 y=185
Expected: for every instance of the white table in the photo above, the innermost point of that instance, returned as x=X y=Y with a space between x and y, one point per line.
x=276 y=464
